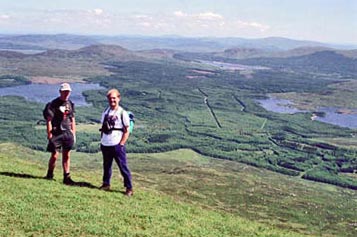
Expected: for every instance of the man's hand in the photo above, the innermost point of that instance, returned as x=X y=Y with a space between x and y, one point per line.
x=74 y=137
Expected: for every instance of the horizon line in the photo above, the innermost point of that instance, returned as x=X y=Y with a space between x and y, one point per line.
x=350 y=44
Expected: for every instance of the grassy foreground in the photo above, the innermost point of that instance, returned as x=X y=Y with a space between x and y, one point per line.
x=177 y=194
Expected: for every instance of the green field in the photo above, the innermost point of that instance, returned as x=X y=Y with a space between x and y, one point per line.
x=207 y=160
x=178 y=193
x=214 y=114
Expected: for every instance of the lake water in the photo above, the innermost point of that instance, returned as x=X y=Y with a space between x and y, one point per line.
x=24 y=51
x=279 y=106
x=233 y=66
x=331 y=114
x=333 y=117
x=44 y=93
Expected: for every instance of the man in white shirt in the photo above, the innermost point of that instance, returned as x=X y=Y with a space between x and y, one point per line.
x=114 y=134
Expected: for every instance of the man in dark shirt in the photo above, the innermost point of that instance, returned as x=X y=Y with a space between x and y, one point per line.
x=61 y=132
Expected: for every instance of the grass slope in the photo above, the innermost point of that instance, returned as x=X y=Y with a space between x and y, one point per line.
x=32 y=206
x=178 y=193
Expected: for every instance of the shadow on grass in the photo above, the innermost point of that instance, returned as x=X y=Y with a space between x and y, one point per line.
x=30 y=176
x=19 y=175
x=84 y=184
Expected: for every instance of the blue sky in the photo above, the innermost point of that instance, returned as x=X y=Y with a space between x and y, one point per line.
x=332 y=21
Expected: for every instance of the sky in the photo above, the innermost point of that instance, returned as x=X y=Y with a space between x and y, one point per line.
x=329 y=21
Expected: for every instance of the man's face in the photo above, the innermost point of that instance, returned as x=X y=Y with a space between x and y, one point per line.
x=113 y=100
x=65 y=95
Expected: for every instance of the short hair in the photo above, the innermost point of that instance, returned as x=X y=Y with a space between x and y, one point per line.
x=113 y=91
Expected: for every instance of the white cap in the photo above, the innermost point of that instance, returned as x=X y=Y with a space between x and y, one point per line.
x=65 y=87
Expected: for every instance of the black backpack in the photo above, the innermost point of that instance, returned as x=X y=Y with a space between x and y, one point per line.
x=47 y=111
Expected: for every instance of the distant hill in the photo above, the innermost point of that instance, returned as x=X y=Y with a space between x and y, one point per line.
x=304 y=59
x=11 y=54
x=349 y=53
x=242 y=53
x=100 y=52
x=202 y=44
x=319 y=62
x=83 y=62
x=270 y=43
x=157 y=53
x=42 y=42
x=316 y=59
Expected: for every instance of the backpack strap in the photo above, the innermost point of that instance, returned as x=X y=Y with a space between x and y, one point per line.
x=123 y=129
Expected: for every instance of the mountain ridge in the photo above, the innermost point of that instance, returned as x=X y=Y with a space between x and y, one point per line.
x=317 y=59
x=198 y=44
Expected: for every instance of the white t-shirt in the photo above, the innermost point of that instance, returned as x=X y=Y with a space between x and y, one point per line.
x=115 y=136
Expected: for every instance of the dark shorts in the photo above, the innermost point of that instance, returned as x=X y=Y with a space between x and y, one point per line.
x=63 y=141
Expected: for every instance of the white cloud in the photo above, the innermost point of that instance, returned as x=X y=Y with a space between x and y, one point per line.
x=142 y=17
x=145 y=24
x=211 y=23
x=98 y=21
x=199 y=16
x=253 y=25
x=4 y=17
x=179 y=14
x=64 y=21
x=208 y=16
x=97 y=11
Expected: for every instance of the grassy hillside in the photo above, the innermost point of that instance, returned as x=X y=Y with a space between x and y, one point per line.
x=178 y=193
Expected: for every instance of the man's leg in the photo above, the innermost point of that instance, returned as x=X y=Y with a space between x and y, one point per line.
x=108 y=154
x=121 y=160
x=66 y=161
x=67 y=145
x=52 y=146
x=52 y=164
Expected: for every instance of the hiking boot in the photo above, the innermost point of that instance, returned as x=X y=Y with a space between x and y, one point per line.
x=129 y=192
x=68 y=181
x=49 y=176
x=105 y=187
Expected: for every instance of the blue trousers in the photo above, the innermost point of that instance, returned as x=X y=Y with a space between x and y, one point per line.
x=118 y=153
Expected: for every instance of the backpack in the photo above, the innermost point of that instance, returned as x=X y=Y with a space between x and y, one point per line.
x=131 y=121
x=47 y=111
